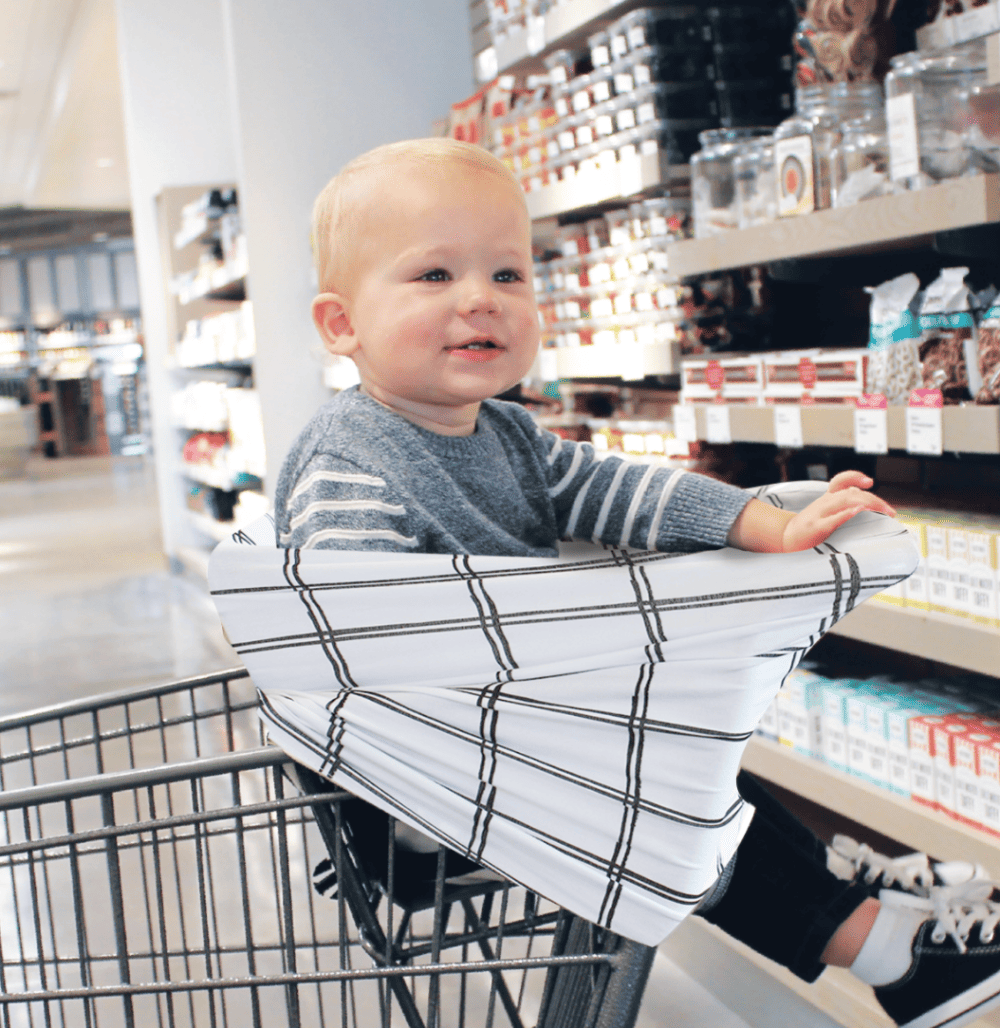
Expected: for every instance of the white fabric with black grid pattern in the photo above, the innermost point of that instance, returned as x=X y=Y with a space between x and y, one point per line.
x=574 y=724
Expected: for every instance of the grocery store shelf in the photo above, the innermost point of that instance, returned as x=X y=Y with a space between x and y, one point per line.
x=567 y=25
x=949 y=639
x=630 y=361
x=623 y=179
x=969 y=429
x=896 y=816
x=218 y=479
x=870 y=224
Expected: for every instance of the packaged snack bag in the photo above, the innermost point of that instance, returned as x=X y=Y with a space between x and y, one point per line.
x=988 y=346
x=947 y=336
x=893 y=358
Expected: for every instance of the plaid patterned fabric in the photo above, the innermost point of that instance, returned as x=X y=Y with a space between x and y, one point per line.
x=574 y=724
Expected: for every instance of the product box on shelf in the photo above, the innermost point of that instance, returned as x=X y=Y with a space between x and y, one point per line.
x=834 y=695
x=814 y=376
x=969 y=806
x=984 y=575
x=988 y=769
x=800 y=712
x=915 y=587
x=922 y=780
x=735 y=378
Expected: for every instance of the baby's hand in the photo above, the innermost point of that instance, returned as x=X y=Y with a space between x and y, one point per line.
x=844 y=498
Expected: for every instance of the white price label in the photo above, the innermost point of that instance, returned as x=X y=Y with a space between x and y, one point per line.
x=631 y=365
x=630 y=176
x=904 y=153
x=685 y=426
x=717 y=425
x=871 y=433
x=924 y=433
x=536 y=35
x=788 y=426
x=548 y=365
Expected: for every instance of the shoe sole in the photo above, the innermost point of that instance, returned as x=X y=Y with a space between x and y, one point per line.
x=962 y=1009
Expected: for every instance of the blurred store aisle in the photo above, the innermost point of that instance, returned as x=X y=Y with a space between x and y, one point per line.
x=87 y=602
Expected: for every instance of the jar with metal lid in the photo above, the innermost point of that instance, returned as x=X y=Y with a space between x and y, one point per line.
x=713 y=187
x=753 y=172
x=859 y=164
x=794 y=165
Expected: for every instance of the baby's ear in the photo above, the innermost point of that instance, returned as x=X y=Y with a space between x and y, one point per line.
x=333 y=321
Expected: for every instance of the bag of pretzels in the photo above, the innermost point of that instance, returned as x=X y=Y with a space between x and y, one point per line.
x=948 y=337
x=893 y=343
x=989 y=355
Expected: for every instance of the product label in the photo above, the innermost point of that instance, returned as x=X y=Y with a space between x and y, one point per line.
x=788 y=426
x=904 y=151
x=602 y=91
x=646 y=112
x=625 y=119
x=685 y=426
x=957 y=319
x=637 y=36
x=624 y=83
x=717 y=425
x=619 y=46
x=535 y=42
x=924 y=430
x=871 y=434
x=900 y=325
x=793 y=162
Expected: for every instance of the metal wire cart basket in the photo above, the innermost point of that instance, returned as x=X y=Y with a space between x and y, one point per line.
x=161 y=866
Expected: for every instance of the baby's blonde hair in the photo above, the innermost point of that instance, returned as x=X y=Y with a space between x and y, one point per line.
x=338 y=210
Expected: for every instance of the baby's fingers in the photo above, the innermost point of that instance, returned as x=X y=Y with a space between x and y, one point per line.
x=847 y=479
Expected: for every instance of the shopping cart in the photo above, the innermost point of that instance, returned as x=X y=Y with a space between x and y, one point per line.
x=157 y=867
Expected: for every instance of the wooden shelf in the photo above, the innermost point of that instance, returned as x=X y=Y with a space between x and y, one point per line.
x=871 y=224
x=625 y=179
x=969 y=429
x=899 y=817
x=567 y=25
x=949 y=639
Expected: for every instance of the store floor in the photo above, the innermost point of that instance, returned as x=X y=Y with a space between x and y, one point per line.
x=88 y=604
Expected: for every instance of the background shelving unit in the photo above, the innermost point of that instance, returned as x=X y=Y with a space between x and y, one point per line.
x=903 y=223
x=194 y=532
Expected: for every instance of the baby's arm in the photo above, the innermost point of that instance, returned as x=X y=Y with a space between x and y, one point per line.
x=763 y=528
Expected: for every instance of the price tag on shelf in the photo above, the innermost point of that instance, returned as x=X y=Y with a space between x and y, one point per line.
x=717 y=425
x=536 y=35
x=788 y=426
x=871 y=432
x=685 y=426
x=631 y=362
x=548 y=364
x=924 y=431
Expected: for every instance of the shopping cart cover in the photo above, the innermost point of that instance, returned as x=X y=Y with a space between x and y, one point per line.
x=575 y=724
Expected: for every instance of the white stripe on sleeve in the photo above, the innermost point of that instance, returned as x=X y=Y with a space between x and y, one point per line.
x=574 y=467
x=358 y=535
x=337 y=505
x=633 y=509
x=348 y=477
x=668 y=488
x=609 y=499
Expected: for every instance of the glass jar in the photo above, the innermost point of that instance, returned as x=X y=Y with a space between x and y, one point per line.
x=859 y=165
x=713 y=187
x=930 y=116
x=753 y=172
x=983 y=134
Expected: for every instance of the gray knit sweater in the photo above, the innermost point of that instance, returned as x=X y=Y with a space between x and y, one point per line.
x=361 y=477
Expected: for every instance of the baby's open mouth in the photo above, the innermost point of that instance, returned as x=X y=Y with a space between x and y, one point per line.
x=477 y=344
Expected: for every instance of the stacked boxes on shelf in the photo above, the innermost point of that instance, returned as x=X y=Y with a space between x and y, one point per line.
x=648 y=84
x=788 y=376
x=936 y=744
x=958 y=570
x=606 y=280
x=221 y=338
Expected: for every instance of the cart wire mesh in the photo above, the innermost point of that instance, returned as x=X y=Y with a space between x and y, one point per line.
x=160 y=865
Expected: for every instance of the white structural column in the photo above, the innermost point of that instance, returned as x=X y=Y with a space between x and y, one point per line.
x=315 y=83
x=178 y=131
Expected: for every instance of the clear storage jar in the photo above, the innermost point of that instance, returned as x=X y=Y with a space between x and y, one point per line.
x=753 y=172
x=860 y=162
x=930 y=116
x=713 y=186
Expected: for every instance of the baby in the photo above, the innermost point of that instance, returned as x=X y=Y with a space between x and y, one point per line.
x=424 y=258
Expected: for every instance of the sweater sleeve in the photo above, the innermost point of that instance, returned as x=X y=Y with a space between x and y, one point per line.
x=334 y=504
x=607 y=498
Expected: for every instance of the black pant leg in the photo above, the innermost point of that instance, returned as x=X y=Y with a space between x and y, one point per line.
x=781 y=900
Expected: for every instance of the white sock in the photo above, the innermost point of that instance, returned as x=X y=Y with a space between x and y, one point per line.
x=888 y=951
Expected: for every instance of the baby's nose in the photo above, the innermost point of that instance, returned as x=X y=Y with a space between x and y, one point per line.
x=480 y=297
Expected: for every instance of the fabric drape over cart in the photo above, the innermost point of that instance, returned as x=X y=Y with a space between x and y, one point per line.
x=575 y=724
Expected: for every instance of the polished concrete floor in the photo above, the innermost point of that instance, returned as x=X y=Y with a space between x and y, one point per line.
x=87 y=602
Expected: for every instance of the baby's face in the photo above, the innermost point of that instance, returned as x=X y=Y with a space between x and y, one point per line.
x=443 y=306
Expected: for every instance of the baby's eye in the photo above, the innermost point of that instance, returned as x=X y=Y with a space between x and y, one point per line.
x=434 y=275
x=508 y=275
